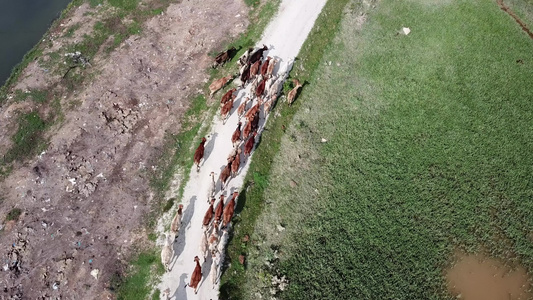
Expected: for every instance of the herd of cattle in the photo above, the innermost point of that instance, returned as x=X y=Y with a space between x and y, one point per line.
x=255 y=73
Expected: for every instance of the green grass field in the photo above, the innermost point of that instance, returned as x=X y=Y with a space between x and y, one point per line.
x=428 y=150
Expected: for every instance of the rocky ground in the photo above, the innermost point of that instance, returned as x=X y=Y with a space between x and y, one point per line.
x=83 y=199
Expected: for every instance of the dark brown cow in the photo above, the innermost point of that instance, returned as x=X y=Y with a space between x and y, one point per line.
x=224 y=56
x=251 y=112
x=199 y=154
x=236 y=134
x=249 y=146
x=264 y=67
x=219 y=209
x=229 y=210
x=257 y=55
x=196 y=275
x=245 y=75
x=209 y=214
x=260 y=88
x=255 y=121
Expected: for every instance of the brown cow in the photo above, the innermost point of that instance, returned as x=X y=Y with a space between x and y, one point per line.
x=254 y=69
x=292 y=94
x=196 y=275
x=236 y=163
x=224 y=56
x=225 y=110
x=268 y=106
x=228 y=95
x=233 y=152
x=257 y=55
x=245 y=75
x=251 y=112
x=219 y=210
x=264 y=66
x=224 y=175
x=247 y=130
x=209 y=214
x=218 y=84
x=249 y=146
x=236 y=136
x=242 y=108
x=260 y=88
x=199 y=154
x=229 y=210
x=255 y=122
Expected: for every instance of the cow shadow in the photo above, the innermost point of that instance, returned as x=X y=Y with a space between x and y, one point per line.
x=209 y=147
x=206 y=269
x=181 y=292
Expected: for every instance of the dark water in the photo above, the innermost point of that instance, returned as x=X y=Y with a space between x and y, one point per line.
x=22 y=24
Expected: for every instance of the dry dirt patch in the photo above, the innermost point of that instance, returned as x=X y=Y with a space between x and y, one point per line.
x=83 y=199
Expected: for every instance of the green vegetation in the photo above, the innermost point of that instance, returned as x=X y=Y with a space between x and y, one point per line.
x=427 y=150
x=27 y=140
x=253 y=197
x=71 y=30
x=14 y=214
x=136 y=283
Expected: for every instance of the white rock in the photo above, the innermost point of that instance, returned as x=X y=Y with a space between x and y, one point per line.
x=406 y=30
x=95 y=273
x=323 y=140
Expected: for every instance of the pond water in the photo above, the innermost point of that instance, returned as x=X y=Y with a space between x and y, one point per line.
x=475 y=277
x=22 y=24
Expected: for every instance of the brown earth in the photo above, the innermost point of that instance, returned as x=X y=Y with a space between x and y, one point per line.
x=84 y=198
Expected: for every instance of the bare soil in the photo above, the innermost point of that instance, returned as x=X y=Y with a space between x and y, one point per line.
x=85 y=197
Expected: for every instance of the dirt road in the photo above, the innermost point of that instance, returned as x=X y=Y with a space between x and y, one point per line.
x=286 y=34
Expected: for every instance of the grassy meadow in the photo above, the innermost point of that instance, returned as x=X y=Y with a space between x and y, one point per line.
x=428 y=150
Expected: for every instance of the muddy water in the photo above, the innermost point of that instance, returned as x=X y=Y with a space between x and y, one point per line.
x=22 y=24
x=475 y=277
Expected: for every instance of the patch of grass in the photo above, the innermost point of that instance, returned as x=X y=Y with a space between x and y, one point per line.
x=27 y=140
x=169 y=204
x=14 y=214
x=135 y=284
x=126 y=5
x=71 y=30
x=427 y=151
x=39 y=96
x=252 y=200
x=32 y=55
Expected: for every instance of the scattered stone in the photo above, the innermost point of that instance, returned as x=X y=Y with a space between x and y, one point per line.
x=293 y=183
x=323 y=140
x=405 y=30
x=280 y=228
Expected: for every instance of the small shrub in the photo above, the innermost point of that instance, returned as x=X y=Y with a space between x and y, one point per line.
x=14 y=214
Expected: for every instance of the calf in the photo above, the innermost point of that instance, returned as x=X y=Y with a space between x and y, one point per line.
x=167 y=252
x=176 y=222
x=218 y=84
x=254 y=69
x=247 y=130
x=292 y=94
x=196 y=275
x=199 y=154
x=271 y=67
x=229 y=210
x=212 y=187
